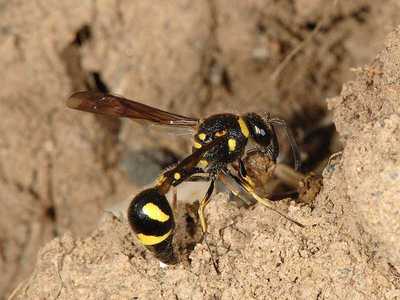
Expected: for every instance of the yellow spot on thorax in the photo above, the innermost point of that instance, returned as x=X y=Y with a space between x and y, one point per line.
x=154 y=212
x=202 y=163
x=177 y=176
x=232 y=144
x=197 y=145
x=149 y=240
x=243 y=127
x=202 y=136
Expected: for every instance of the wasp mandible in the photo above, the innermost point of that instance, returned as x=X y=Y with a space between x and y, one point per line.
x=219 y=140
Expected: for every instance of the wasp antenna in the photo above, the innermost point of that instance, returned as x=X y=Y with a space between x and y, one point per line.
x=295 y=149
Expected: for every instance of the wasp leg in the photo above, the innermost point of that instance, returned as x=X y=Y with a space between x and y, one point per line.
x=198 y=178
x=203 y=203
x=243 y=174
x=271 y=197
x=242 y=190
x=174 y=198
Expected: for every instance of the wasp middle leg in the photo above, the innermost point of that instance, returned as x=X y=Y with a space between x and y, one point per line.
x=203 y=203
x=243 y=190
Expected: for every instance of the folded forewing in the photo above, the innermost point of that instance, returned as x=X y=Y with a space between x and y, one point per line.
x=117 y=106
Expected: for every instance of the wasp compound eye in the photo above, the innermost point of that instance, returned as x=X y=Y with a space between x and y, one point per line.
x=259 y=130
x=152 y=220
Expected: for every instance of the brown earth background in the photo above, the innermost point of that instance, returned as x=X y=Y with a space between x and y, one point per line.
x=318 y=64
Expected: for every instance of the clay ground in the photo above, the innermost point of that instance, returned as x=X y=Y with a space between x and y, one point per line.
x=318 y=64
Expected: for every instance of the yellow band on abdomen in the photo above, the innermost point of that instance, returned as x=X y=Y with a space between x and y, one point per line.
x=154 y=212
x=149 y=240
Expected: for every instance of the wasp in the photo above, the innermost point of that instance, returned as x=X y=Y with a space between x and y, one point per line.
x=218 y=141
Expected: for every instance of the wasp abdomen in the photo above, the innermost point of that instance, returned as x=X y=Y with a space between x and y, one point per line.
x=151 y=218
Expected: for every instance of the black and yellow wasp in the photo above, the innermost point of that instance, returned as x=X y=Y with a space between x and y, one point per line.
x=219 y=140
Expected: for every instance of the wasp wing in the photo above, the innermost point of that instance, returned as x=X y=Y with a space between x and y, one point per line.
x=116 y=106
x=193 y=159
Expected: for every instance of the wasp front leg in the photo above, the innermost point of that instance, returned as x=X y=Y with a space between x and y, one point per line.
x=152 y=220
x=243 y=190
x=243 y=174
